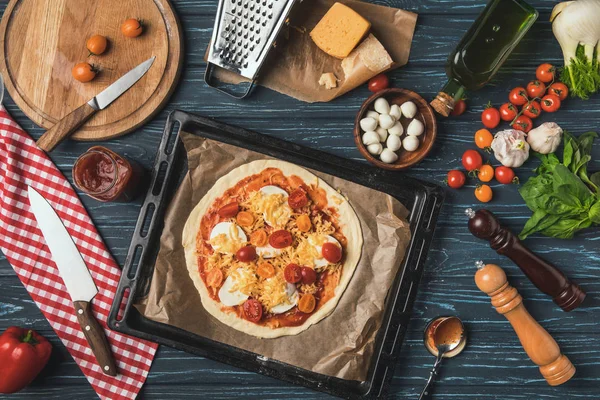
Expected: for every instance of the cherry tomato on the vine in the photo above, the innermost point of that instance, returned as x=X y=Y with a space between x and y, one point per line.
x=545 y=73
x=483 y=193
x=550 y=103
x=532 y=109
x=483 y=139
x=490 y=117
x=472 y=160
x=459 y=108
x=523 y=123
x=508 y=112
x=559 y=89
x=506 y=175
x=379 y=82
x=455 y=179
x=518 y=96
x=536 y=89
x=486 y=173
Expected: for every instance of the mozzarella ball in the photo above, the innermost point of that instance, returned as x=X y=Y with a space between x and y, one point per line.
x=383 y=134
x=410 y=143
x=370 y=137
x=382 y=106
x=394 y=143
x=409 y=109
x=395 y=111
x=386 y=121
x=368 y=124
x=375 y=149
x=415 y=128
x=396 y=130
x=388 y=156
x=372 y=114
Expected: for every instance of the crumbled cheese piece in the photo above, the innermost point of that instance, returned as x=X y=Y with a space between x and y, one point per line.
x=329 y=80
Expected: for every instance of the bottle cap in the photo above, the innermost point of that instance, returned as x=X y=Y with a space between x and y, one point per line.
x=443 y=104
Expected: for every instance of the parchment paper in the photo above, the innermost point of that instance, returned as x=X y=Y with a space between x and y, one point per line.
x=295 y=66
x=340 y=345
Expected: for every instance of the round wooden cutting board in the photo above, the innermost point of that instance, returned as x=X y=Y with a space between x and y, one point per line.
x=41 y=41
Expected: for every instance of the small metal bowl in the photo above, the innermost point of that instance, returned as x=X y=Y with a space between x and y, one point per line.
x=406 y=159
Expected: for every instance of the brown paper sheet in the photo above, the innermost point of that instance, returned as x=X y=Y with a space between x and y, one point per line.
x=294 y=67
x=340 y=345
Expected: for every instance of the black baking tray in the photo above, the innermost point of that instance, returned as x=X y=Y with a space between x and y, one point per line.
x=423 y=200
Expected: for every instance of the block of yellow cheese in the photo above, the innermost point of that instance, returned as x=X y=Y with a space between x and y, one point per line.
x=340 y=31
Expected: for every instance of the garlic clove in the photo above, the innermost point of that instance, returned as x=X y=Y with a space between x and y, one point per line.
x=388 y=156
x=368 y=124
x=382 y=106
x=375 y=148
x=397 y=129
x=370 y=137
x=415 y=128
x=409 y=109
x=386 y=121
x=394 y=143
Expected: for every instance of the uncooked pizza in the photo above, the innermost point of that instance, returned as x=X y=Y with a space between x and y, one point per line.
x=271 y=248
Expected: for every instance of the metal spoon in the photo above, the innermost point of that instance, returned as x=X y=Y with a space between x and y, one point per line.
x=446 y=339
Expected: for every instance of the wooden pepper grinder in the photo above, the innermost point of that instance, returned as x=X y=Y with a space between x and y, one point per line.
x=537 y=342
x=545 y=276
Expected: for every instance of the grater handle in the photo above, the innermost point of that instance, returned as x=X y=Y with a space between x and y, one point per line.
x=210 y=81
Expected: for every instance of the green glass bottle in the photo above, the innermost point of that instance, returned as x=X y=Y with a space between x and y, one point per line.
x=483 y=49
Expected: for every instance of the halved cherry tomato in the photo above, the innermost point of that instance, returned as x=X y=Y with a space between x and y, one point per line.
x=280 y=239
x=253 y=310
x=532 y=109
x=84 y=72
x=523 y=123
x=298 y=199
x=308 y=275
x=471 y=160
x=244 y=218
x=307 y=303
x=483 y=138
x=486 y=173
x=379 y=82
x=331 y=252
x=259 y=238
x=459 y=108
x=545 y=72
x=551 y=103
x=490 y=117
x=246 y=254
x=483 y=193
x=536 y=89
x=455 y=179
x=506 y=175
x=303 y=223
x=518 y=96
x=132 y=28
x=292 y=273
x=214 y=278
x=559 y=89
x=96 y=44
x=508 y=112
x=265 y=270
x=229 y=210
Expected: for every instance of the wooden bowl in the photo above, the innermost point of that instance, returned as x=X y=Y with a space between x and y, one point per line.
x=406 y=159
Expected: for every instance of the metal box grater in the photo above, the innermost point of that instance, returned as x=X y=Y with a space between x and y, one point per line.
x=244 y=32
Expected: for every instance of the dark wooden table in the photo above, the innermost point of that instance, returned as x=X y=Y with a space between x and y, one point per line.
x=493 y=366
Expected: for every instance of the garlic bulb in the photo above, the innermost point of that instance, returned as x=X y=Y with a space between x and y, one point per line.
x=546 y=138
x=510 y=148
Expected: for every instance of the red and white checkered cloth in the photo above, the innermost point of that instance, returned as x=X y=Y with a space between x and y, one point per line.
x=22 y=163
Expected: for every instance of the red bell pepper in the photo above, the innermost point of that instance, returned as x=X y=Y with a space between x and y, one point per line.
x=23 y=354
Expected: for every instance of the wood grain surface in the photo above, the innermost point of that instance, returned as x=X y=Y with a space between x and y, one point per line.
x=493 y=365
x=41 y=41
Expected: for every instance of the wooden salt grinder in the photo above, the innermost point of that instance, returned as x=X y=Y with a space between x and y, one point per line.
x=537 y=342
x=545 y=276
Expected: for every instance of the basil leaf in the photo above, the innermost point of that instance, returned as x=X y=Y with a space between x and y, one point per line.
x=563 y=177
x=536 y=190
x=595 y=213
x=595 y=178
x=568 y=150
x=538 y=222
x=549 y=161
x=565 y=228
x=585 y=142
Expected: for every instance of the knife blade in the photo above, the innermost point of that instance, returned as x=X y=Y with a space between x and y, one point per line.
x=71 y=122
x=76 y=276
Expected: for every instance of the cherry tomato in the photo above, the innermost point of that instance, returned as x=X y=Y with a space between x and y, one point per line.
x=459 y=108
x=246 y=254
x=229 y=210
x=490 y=117
x=309 y=275
x=331 y=252
x=508 y=112
x=483 y=138
x=532 y=109
x=456 y=179
x=244 y=218
x=96 y=44
x=471 y=160
x=379 y=82
x=214 y=278
x=518 y=96
x=265 y=270
x=303 y=223
x=297 y=199
x=523 y=123
x=259 y=238
x=280 y=239
x=559 y=89
x=550 y=103
x=486 y=173
x=307 y=303
x=506 y=175
x=292 y=273
x=84 y=72
x=545 y=73
x=252 y=310
x=536 y=89
x=483 y=193
x=132 y=28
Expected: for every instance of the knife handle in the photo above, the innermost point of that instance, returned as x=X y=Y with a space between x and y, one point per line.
x=96 y=338
x=65 y=127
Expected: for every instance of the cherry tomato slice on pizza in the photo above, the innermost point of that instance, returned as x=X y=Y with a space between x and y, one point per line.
x=309 y=276
x=253 y=310
x=307 y=303
x=229 y=210
x=292 y=273
x=280 y=239
x=297 y=199
x=331 y=252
